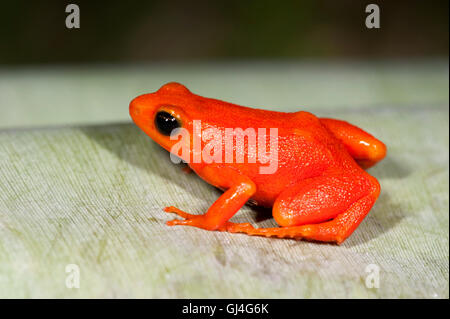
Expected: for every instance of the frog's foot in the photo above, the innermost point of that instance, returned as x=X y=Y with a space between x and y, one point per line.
x=179 y=212
x=246 y=228
x=296 y=232
x=199 y=222
x=189 y=219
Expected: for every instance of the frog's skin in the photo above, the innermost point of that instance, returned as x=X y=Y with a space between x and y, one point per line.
x=320 y=190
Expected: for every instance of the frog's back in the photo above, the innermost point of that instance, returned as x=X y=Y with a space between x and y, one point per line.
x=305 y=146
x=224 y=114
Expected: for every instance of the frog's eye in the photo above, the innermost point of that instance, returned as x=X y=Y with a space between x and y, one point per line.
x=165 y=123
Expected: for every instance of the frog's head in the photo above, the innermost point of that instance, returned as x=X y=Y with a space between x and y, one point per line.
x=159 y=113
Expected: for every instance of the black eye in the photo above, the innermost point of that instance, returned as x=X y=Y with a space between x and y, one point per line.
x=165 y=123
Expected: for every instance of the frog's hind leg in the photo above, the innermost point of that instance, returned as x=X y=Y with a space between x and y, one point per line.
x=363 y=147
x=336 y=230
x=329 y=212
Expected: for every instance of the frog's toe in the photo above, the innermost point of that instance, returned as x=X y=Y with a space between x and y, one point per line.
x=195 y=221
x=179 y=212
x=175 y=222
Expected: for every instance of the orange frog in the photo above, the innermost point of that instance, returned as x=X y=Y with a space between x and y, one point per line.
x=319 y=189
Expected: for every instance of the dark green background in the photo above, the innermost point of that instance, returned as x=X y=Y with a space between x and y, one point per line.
x=148 y=31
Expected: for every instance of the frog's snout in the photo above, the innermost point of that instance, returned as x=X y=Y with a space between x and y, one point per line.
x=135 y=109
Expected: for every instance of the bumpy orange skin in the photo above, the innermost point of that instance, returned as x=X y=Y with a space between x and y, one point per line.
x=319 y=191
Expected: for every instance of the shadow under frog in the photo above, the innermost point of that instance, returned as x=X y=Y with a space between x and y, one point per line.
x=384 y=216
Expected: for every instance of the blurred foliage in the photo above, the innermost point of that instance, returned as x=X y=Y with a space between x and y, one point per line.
x=133 y=30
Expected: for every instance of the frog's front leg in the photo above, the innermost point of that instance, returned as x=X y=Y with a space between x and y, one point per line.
x=239 y=190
